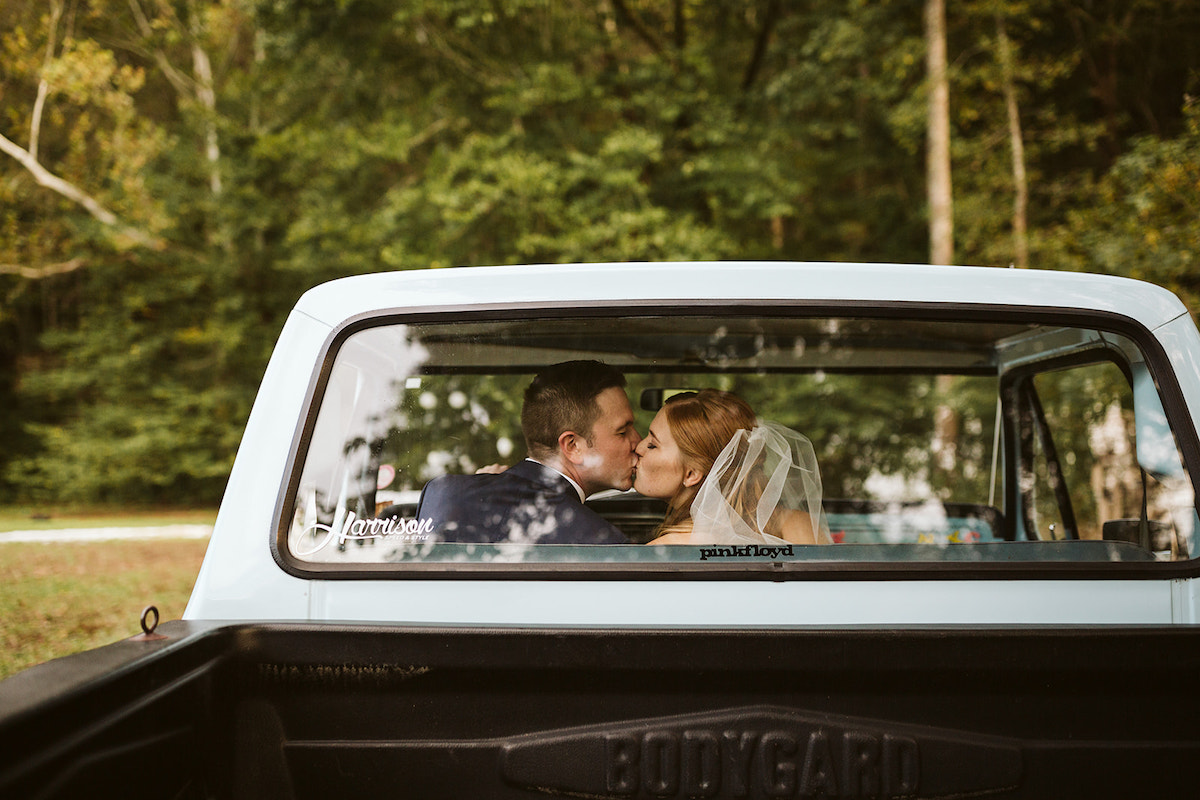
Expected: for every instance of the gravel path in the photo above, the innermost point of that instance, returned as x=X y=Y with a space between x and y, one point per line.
x=107 y=534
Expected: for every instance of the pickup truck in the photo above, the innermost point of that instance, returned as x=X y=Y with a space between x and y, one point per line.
x=1008 y=608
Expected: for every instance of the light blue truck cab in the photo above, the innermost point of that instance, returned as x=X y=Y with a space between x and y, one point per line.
x=997 y=446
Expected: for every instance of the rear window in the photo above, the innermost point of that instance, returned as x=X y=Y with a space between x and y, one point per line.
x=935 y=441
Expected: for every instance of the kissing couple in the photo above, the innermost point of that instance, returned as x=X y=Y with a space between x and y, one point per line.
x=727 y=477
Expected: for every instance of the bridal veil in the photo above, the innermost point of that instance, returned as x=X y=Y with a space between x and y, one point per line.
x=763 y=487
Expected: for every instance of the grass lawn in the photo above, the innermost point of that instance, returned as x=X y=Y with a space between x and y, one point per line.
x=58 y=599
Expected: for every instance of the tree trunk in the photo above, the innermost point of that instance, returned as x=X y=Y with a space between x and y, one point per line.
x=938 y=188
x=1017 y=146
x=39 y=104
x=941 y=219
x=207 y=97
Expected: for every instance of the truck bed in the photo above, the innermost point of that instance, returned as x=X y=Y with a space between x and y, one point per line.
x=219 y=710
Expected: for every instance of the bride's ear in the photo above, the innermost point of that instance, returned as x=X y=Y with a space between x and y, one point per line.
x=692 y=476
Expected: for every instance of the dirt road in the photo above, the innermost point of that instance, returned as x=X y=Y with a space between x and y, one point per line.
x=106 y=534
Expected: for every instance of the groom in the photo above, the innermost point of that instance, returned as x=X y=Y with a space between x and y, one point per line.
x=580 y=436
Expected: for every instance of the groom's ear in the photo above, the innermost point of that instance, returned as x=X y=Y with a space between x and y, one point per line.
x=570 y=444
x=691 y=476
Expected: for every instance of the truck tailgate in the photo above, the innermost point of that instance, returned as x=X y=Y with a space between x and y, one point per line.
x=308 y=711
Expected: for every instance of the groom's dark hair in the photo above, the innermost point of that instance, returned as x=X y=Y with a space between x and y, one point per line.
x=562 y=397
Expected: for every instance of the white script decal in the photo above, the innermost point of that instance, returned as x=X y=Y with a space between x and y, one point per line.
x=406 y=530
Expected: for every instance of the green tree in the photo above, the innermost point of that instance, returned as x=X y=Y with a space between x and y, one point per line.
x=175 y=172
x=1141 y=221
x=136 y=382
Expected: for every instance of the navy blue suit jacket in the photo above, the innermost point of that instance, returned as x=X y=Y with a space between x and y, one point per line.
x=527 y=502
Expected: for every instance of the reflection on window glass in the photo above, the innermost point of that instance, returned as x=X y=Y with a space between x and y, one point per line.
x=1026 y=442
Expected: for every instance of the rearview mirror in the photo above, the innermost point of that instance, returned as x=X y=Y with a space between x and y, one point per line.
x=653 y=399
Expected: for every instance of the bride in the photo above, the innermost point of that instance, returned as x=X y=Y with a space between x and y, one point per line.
x=728 y=477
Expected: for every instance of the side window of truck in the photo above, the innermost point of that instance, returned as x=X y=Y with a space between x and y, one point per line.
x=1082 y=479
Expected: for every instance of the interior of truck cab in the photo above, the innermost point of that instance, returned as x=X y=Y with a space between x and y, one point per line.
x=1002 y=439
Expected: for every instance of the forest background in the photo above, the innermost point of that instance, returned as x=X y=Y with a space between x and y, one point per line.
x=174 y=173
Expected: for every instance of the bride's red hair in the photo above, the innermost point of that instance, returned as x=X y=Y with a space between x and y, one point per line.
x=701 y=424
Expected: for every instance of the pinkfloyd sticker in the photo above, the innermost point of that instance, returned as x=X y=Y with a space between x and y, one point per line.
x=746 y=551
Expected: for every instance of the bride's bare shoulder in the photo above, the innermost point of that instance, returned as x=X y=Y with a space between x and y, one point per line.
x=676 y=535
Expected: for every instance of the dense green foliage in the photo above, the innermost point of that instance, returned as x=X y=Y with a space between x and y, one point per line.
x=243 y=150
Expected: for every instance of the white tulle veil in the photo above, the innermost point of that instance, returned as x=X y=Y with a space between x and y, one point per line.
x=763 y=487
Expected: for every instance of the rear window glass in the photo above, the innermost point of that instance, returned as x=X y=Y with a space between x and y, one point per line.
x=867 y=440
